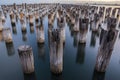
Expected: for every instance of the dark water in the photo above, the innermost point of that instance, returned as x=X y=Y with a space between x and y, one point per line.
x=79 y=59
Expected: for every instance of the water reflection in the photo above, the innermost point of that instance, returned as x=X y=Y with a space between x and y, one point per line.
x=24 y=36
x=41 y=51
x=80 y=53
x=14 y=30
x=93 y=39
x=76 y=40
x=10 y=49
x=31 y=29
x=31 y=76
x=56 y=77
x=98 y=75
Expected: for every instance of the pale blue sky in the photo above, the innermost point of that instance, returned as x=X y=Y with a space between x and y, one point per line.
x=48 y=1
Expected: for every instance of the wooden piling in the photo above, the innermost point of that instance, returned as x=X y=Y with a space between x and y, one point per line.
x=23 y=25
x=56 y=51
x=1 y=26
x=26 y=58
x=83 y=30
x=40 y=34
x=105 y=49
x=7 y=35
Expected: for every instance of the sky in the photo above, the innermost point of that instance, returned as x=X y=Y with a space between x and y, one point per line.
x=52 y=1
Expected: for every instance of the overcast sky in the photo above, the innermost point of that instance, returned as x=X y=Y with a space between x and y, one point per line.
x=48 y=1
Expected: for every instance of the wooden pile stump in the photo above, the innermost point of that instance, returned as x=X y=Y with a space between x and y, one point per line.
x=56 y=51
x=26 y=57
x=23 y=25
x=7 y=35
x=107 y=41
x=83 y=30
x=1 y=26
x=40 y=34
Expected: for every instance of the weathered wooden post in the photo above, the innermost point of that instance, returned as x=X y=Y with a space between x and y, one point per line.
x=1 y=26
x=12 y=16
x=111 y=22
x=61 y=24
x=95 y=23
x=23 y=25
x=40 y=34
x=26 y=57
x=7 y=35
x=76 y=25
x=116 y=13
x=22 y=16
x=56 y=51
x=1 y=37
x=104 y=14
x=37 y=16
x=107 y=41
x=83 y=30
x=111 y=11
x=10 y=49
x=31 y=19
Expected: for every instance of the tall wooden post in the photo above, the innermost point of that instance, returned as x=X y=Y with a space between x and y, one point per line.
x=105 y=49
x=111 y=12
x=56 y=51
x=61 y=24
x=116 y=13
x=26 y=57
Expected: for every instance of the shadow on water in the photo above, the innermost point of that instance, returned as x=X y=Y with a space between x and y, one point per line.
x=93 y=39
x=10 y=49
x=24 y=36
x=76 y=40
x=98 y=75
x=41 y=51
x=80 y=53
x=56 y=77
x=31 y=76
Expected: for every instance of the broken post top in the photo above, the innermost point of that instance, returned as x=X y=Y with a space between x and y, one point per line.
x=24 y=48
